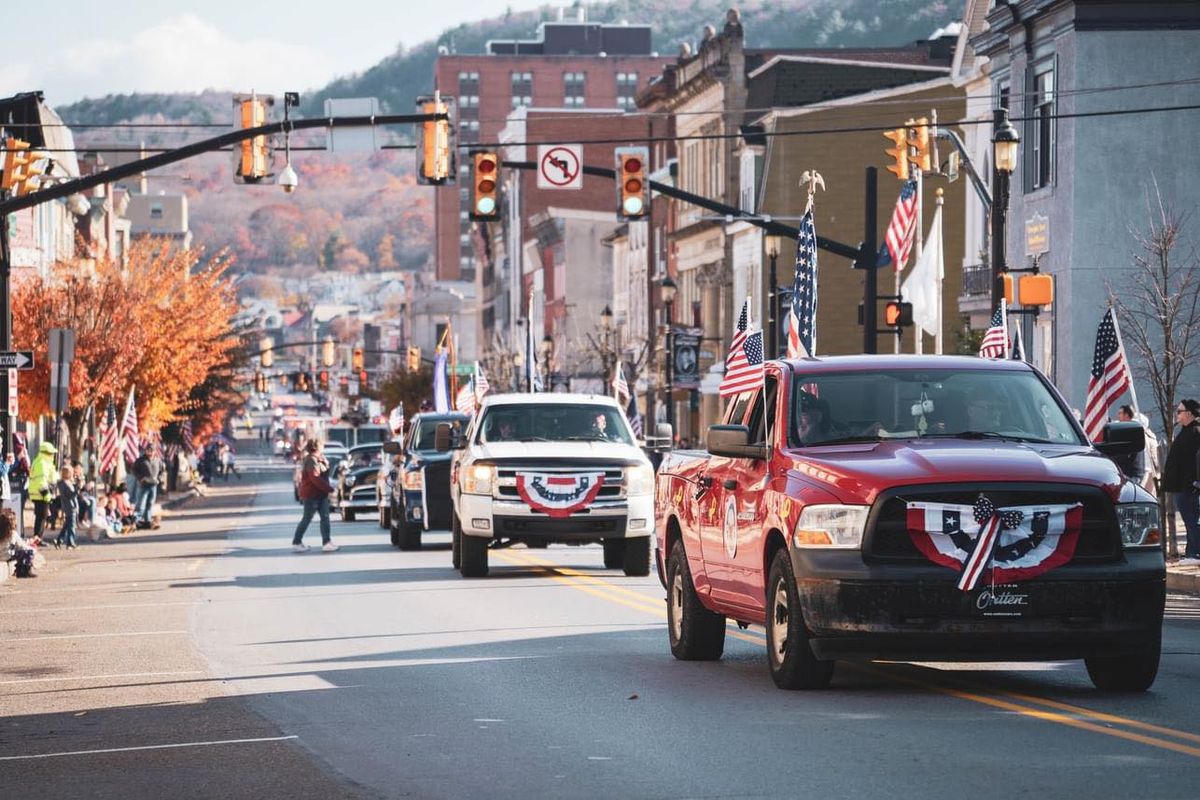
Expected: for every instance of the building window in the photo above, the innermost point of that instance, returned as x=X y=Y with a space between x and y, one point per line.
x=626 y=89
x=1041 y=128
x=522 y=89
x=156 y=211
x=574 y=89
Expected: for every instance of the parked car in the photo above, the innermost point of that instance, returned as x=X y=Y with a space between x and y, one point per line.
x=419 y=483
x=356 y=474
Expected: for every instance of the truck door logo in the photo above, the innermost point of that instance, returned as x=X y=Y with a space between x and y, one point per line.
x=559 y=494
x=729 y=528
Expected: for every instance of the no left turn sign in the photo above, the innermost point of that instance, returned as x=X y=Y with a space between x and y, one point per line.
x=559 y=166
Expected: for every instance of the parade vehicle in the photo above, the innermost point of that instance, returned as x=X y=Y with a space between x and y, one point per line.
x=419 y=490
x=548 y=468
x=911 y=507
x=355 y=491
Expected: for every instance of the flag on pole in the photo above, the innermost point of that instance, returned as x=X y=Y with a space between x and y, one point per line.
x=185 y=434
x=129 y=430
x=802 y=321
x=1018 y=345
x=744 y=364
x=464 y=403
x=396 y=420
x=921 y=286
x=635 y=418
x=481 y=384
x=441 y=390
x=620 y=385
x=1110 y=376
x=898 y=241
x=110 y=436
x=995 y=338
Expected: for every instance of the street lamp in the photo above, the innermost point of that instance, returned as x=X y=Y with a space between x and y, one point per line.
x=1005 y=141
x=606 y=354
x=774 y=248
x=667 y=292
x=547 y=349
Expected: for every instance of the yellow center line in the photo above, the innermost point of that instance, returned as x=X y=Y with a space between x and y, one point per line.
x=611 y=592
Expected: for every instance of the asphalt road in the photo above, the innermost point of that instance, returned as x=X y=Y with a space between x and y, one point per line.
x=371 y=672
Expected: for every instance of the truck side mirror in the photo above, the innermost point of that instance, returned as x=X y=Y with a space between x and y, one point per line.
x=733 y=441
x=1122 y=439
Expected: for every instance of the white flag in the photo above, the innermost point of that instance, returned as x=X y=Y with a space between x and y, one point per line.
x=922 y=287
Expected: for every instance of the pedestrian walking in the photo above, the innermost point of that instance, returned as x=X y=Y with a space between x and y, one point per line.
x=1181 y=476
x=68 y=506
x=314 y=491
x=42 y=479
x=146 y=472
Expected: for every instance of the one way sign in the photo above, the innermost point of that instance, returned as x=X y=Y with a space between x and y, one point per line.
x=16 y=359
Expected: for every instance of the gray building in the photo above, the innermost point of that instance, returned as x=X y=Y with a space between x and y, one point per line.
x=1090 y=177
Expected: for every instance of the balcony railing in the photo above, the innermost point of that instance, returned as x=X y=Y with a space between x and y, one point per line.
x=977 y=280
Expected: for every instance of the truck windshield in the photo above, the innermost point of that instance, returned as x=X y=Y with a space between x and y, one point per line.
x=909 y=404
x=542 y=422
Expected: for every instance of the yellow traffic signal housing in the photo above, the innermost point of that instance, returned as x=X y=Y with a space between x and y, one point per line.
x=436 y=141
x=918 y=143
x=1036 y=290
x=260 y=382
x=19 y=171
x=1007 y=280
x=485 y=186
x=414 y=359
x=327 y=352
x=899 y=138
x=356 y=361
x=252 y=157
x=633 y=190
x=265 y=346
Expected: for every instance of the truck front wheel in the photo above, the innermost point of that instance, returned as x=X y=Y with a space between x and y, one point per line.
x=696 y=633
x=636 y=561
x=455 y=543
x=1133 y=673
x=473 y=556
x=410 y=536
x=614 y=553
x=789 y=655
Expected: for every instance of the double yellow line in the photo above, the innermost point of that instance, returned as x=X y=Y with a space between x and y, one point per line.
x=1032 y=706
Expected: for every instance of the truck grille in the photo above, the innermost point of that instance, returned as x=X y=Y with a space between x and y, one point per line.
x=613 y=488
x=887 y=539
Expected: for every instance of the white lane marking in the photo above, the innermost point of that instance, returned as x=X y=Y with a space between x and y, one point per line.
x=46 y=610
x=195 y=565
x=147 y=747
x=485 y=719
x=101 y=677
x=92 y=635
x=599 y=758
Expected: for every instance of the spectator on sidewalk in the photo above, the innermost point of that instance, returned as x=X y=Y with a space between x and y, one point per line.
x=1181 y=476
x=13 y=548
x=146 y=471
x=42 y=478
x=18 y=476
x=68 y=506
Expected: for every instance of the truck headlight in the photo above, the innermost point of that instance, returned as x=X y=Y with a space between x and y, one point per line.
x=1140 y=524
x=478 y=479
x=350 y=481
x=833 y=526
x=414 y=479
x=639 y=480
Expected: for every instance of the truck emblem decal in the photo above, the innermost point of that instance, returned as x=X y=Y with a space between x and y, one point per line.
x=559 y=494
x=729 y=529
x=1008 y=544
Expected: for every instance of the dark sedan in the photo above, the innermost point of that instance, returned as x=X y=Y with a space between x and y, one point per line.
x=356 y=477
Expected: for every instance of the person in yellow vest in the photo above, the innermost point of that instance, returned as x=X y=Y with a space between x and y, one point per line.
x=42 y=479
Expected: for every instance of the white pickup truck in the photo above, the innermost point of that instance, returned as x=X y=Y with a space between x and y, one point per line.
x=549 y=468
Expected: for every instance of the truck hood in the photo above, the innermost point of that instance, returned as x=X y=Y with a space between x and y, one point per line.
x=856 y=473
x=551 y=453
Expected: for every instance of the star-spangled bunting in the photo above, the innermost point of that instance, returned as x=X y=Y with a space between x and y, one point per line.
x=802 y=321
x=1110 y=376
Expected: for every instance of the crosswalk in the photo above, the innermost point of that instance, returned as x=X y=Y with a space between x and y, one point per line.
x=1183 y=607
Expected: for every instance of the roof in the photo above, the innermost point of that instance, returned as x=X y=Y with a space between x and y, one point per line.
x=548 y=398
x=804 y=80
x=904 y=362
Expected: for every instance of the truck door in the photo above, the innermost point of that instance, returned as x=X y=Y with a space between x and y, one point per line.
x=749 y=478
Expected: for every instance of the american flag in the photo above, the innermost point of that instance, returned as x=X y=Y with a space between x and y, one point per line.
x=995 y=338
x=481 y=383
x=635 y=418
x=802 y=322
x=110 y=446
x=899 y=237
x=1110 y=376
x=129 y=430
x=744 y=364
x=185 y=433
x=465 y=402
x=620 y=385
x=1018 y=345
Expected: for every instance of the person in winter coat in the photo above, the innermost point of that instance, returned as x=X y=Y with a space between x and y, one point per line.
x=1181 y=475
x=314 y=491
x=42 y=478
x=68 y=505
x=146 y=471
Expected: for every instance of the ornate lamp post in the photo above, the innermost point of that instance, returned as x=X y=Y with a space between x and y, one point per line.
x=1005 y=141
x=667 y=292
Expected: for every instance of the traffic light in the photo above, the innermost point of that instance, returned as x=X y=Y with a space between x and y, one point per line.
x=19 y=174
x=1006 y=281
x=324 y=379
x=252 y=157
x=899 y=138
x=436 y=141
x=897 y=314
x=362 y=380
x=414 y=358
x=265 y=352
x=356 y=362
x=919 y=155
x=327 y=352
x=485 y=179
x=260 y=382
x=633 y=190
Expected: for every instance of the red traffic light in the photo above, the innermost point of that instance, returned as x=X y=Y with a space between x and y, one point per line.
x=633 y=197
x=486 y=165
x=632 y=164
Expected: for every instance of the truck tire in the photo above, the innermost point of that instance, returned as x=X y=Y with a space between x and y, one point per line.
x=473 y=556
x=537 y=544
x=614 y=553
x=695 y=633
x=789 y=655
x=410 y=536
x=455 y=543
x=1134 y=673
x=636 y=561
x=395 y=534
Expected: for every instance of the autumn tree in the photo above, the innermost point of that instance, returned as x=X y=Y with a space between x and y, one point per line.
x=385 y=254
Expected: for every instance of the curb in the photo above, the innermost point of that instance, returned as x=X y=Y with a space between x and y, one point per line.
x=1187 y=582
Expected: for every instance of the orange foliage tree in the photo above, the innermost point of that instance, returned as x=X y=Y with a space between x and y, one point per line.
x=158 y=323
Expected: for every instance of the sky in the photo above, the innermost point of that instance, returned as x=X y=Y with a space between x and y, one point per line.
x=80 y=48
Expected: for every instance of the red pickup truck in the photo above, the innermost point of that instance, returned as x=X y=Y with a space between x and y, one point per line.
x=911 y=507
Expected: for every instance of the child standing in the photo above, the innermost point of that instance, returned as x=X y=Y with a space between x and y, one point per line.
x=68 y=504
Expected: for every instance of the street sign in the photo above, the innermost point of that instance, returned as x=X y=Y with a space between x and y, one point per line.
x=560 y=166
x=62 y=353
x=16 y=359
x=1037 y=235
x=13 y=408
x=62 y=345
